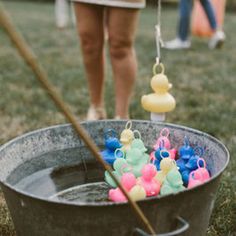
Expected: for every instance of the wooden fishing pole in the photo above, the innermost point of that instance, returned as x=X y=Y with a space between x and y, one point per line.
x=29 y=57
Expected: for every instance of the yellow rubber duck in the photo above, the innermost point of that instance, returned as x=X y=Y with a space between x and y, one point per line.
x=159 y=102
x=166 y=165
x=137 y=193
x=127 y=136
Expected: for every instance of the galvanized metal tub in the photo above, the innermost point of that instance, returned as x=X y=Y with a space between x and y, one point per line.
x=185 y=213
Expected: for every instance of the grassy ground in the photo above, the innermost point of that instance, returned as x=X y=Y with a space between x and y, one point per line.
x=203 y=85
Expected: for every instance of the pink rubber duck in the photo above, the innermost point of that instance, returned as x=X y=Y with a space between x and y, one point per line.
x=163 y=142
x=199 y=175
x=172 y=152
x=163 y=139
x=128 y=181
x=147 y=180
x=192 y=182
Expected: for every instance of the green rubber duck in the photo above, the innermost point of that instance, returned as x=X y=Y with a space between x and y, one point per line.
x=173 y=182
x=138 y=143
x=136 y=159
x=120 y=167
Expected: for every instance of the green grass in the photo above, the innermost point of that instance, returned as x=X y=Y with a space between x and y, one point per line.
x=203 y=85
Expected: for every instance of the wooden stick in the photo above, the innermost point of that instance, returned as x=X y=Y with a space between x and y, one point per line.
x=42 y=77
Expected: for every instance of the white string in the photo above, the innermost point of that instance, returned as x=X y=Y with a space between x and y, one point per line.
x=159 y=40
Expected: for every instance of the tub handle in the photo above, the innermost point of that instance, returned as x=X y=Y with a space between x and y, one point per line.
x=184 y=227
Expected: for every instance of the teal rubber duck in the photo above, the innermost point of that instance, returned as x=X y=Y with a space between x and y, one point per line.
x=136 y=159
x=120 y=167
x=173 y=182
x=138 y=143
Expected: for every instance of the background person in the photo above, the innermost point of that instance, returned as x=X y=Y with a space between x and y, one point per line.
x=182 y=40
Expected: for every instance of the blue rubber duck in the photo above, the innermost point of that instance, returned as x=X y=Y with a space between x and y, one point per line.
x=112 y=143
x=186 y=151
x=185 y=154
x=185 y=176
x=192 y=164
x=160 y=153
x=181 y=164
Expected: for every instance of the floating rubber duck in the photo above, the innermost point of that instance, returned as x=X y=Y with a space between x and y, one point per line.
x=183 y=170
x=190 y=166
x=120 y=166
x=159 y=102
x=193 y=181
x=199 y=175
x=185 y=176
x=173 y=153
x=116 y=195
x=160 y=153
x=155 y=154
x=111 y=143
x=173 y=182
x=165 y=166
x=147 y=180
x=202 y=173
x=137 y=193
x=188 y=163
x=136 y=159
x=163 y=143
x=186 y=151
x=181 y=164
x=192 y=163
x=138 y=143
x=127 y=136
x=163 y=139
x=128 y=181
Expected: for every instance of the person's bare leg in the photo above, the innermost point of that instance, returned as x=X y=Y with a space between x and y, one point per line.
x=90 y=24
x=121 y=29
